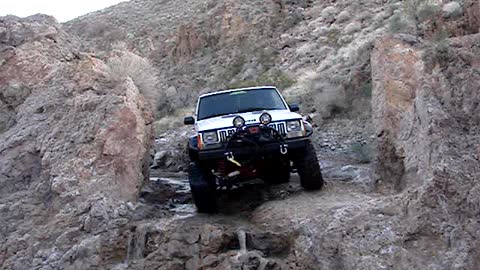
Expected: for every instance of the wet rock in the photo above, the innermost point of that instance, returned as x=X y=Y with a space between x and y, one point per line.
x=270 y=244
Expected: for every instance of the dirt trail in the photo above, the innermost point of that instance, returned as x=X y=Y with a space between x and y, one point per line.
x=273 y=218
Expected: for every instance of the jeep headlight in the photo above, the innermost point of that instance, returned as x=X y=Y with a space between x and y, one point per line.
x=210 y=137
x=294 y=126
x=295 y=129
x=238 y=122
x=265 y=118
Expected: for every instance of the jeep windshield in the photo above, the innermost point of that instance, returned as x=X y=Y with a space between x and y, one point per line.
x=239 y=102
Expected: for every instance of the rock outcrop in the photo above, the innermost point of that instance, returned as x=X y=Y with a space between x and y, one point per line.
x=74 y=149
x=427 y=116
x=425 y=215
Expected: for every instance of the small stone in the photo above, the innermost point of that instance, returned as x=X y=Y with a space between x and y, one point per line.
x=452 y=10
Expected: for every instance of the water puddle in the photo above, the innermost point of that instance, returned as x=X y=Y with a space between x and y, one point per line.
x=174 y=192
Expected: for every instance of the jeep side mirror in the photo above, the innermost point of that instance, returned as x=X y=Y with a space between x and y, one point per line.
x=294 y=108
x=189 y=120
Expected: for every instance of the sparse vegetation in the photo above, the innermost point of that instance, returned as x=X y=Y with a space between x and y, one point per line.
x=438 y=52
x=140 y=70
x=235 y=67
x=333 y=37
x=397 y=24
x=275 y=77
x=419 y=10
x=171 y=122
x=329 y=102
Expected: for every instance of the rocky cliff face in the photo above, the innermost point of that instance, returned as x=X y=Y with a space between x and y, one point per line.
x=201 y=46
x=426 y=100
x=73 y=148
x=75 y=133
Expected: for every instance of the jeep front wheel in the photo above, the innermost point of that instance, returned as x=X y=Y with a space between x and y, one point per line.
x=202 y=185
x=308 y=168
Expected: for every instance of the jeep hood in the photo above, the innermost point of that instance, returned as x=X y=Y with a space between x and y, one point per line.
x=251 y=118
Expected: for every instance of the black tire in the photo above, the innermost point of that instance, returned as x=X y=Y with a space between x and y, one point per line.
x=308 y=168
x=276 y=171
x=202 y=185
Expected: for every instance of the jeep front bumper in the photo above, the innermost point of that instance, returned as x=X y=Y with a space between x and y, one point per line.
x=270 y=149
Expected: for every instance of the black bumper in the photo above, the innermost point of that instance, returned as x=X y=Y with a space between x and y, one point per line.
x=271 y=149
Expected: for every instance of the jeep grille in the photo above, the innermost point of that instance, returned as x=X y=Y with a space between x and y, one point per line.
x=224 y=134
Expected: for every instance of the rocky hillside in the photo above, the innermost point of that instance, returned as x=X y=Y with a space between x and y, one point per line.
x=200 y=46
x=307 y=48
x=74 y=146
x=76 y=131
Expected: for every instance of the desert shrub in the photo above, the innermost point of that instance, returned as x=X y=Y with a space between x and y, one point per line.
x=426 y=11
x=275 y=77
x=438 y=51
x=397 y=24
x=266 y=57
x=119 y=46
x=329 y=101
x=172 y=121
x=415 y=17
x=333 y=37
x=140 y=70
x=419 y=10
x=235 y=67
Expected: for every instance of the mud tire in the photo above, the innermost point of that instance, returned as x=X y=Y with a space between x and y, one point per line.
x=202 y=185
x=308 y=168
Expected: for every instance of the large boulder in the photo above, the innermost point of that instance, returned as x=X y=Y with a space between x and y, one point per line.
x=74 y=149
x=427 y=119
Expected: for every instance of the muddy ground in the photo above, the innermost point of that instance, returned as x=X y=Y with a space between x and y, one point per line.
x=259 y=226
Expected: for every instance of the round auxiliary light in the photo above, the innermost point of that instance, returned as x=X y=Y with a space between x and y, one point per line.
x=265 y=118
x=238 y=122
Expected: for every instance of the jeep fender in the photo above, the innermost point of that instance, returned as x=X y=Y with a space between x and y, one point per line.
x=193 y=148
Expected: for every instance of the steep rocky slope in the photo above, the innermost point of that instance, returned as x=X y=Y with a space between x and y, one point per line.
x=74 y=149
x=199 y=46
x=317 y=51
x=75 y=135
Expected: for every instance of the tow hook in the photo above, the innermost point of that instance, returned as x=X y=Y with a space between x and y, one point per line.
x=231 y=159
x=284 y=149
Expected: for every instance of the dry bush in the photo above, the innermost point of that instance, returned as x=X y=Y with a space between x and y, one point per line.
x=274 y=77
x=140 y=70
x=329 y=102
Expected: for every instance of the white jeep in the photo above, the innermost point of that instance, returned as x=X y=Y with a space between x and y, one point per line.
x=244 y=134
